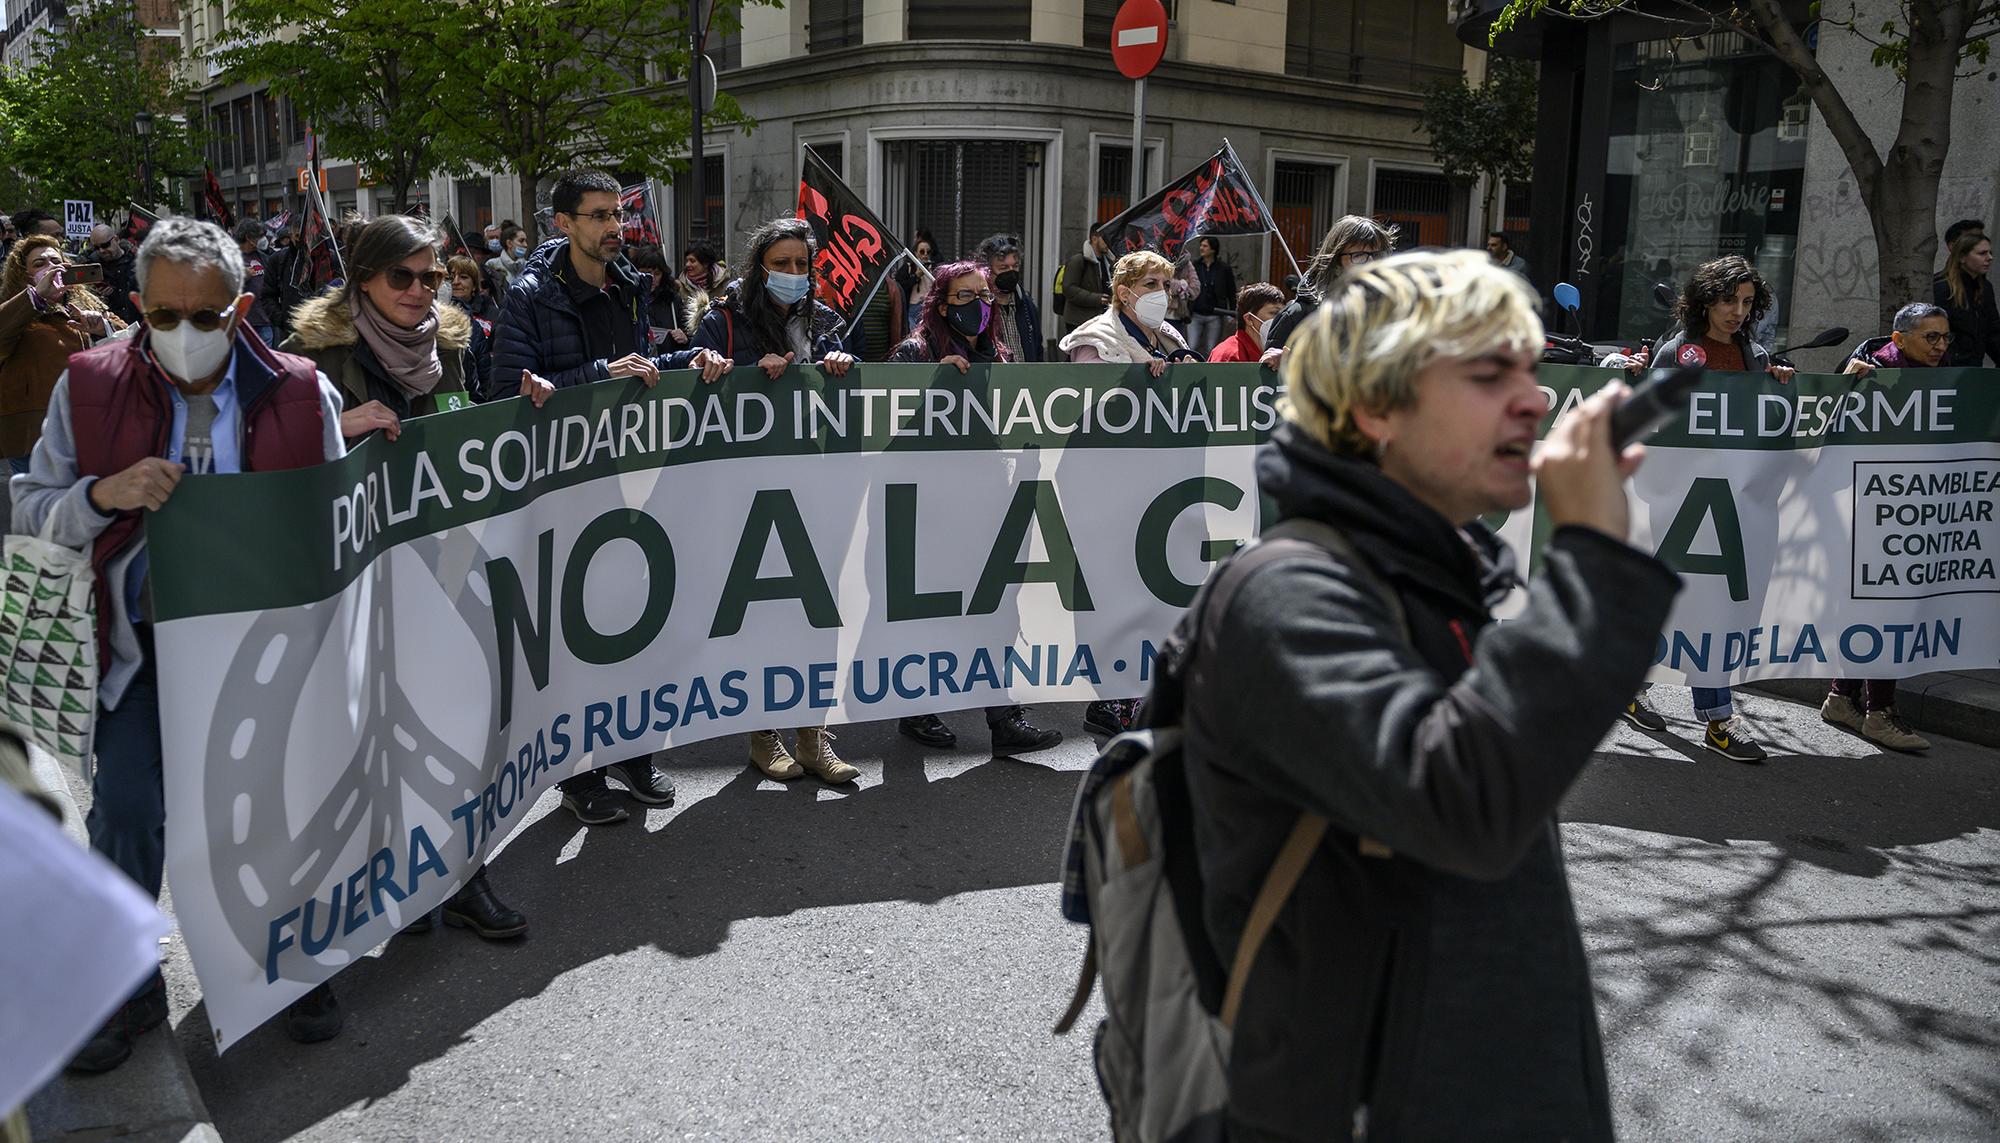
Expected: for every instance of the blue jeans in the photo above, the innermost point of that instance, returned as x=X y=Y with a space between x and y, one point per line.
x=128 y=813
x=1712 y=703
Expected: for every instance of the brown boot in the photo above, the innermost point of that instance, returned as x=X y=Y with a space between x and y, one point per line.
x=768 y=754
x=817 y=756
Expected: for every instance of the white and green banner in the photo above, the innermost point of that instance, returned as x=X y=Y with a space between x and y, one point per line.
x=370 y=670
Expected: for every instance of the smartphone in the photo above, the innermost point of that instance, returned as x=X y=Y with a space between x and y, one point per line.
x=83 y=273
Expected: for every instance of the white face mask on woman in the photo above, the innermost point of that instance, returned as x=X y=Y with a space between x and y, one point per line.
x=1151 y=309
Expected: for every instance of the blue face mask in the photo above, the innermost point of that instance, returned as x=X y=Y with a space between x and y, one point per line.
x=493 y=244
x=787 y=288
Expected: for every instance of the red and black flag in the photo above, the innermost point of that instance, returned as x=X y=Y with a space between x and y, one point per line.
x=138 y=220
x=1216 y=198
x=856 y=252
x=454 y=242
x=218 y=207
x=637 y=203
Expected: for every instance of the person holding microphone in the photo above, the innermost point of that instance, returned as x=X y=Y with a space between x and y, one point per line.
x=1427 y=978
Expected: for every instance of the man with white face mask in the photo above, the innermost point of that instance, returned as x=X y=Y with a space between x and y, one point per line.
x=193 y=392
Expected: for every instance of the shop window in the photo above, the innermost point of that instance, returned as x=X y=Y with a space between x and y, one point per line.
x=832 y=152
x=963 y=191
x=1705 y=157
x=475 y=208
x=1113 y=185
x=1303 y=208
x=1424 y=206
x=958 y=20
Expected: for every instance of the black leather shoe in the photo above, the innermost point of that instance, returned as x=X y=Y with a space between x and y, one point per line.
x=314 y=1017
x=930 y=730
x=1019 y=736
x=591 y=800
x=475 y=907
x=421 y=924
x=112 y=1044
x=645 y=783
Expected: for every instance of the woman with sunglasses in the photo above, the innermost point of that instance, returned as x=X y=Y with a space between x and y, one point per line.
x=768 y=318
x=393 y=352
x=382 y=338
x=44 y=317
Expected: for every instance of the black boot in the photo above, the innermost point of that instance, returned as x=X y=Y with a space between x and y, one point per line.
x=928 y=729
x=1016 y=735
x=314 y=1017
x=144 y=1011
x=475 y=907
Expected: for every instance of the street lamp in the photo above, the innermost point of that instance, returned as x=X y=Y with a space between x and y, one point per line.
x=142 y=126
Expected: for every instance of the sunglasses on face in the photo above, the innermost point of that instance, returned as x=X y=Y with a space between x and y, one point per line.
x=402 y=277
x=1936 y=339
x=163 y=318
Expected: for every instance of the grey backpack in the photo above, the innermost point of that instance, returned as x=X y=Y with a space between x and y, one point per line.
x=1130 y=873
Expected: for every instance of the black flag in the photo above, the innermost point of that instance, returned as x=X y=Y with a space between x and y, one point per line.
x=855 y=249
x=1215 y=198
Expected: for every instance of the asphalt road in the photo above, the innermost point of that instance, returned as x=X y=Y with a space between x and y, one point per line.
x=1808 y=949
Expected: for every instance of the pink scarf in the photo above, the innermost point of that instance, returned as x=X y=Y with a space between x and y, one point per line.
x=409 y=356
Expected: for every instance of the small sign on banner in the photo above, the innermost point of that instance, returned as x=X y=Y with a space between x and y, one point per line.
x=79 y=216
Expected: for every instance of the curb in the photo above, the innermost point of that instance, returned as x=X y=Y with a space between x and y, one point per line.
x=1960 y=704
x=150 y=1098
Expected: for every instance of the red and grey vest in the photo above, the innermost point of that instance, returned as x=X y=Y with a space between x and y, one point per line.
x=120 y=414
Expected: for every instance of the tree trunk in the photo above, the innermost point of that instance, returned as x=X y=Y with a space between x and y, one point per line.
x=1905 y=207
x=528 y=181
x=1900 y=194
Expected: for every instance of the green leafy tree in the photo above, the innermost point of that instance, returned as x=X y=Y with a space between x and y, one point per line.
x=537 y=87
x=1487 y=130
x=1926 y=45
x=66 y=121
x=363 y=74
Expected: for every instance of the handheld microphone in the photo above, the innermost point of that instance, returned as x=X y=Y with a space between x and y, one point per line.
x=1660 y=397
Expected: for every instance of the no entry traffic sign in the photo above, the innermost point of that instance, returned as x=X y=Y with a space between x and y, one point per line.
x=1139 y=37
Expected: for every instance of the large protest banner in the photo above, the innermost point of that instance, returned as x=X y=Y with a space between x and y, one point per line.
x=378 y=664
x=371 y=669
x=1828 y=527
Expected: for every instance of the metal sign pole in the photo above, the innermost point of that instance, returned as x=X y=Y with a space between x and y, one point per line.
x=1138 y=142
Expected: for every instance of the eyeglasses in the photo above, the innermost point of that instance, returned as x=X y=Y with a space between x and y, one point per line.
x=1934 y=338
x=164 y=319
x=601 y=217
x=960 y=297
x=1359 y=257
x=402 y=277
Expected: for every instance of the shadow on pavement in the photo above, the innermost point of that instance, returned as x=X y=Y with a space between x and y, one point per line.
x=1841 y=818
x=1701 y=945
x=741 y=853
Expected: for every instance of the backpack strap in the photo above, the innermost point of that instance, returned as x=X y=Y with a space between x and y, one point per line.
x=1286 y=538
x=1278 y=885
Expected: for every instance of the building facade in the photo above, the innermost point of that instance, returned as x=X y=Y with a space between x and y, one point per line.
x=1008 y=117
x=1656 y=153
x=971 y=120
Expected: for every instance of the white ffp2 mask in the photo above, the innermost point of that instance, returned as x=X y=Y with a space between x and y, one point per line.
x=1151 y=309
x=191 y=355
